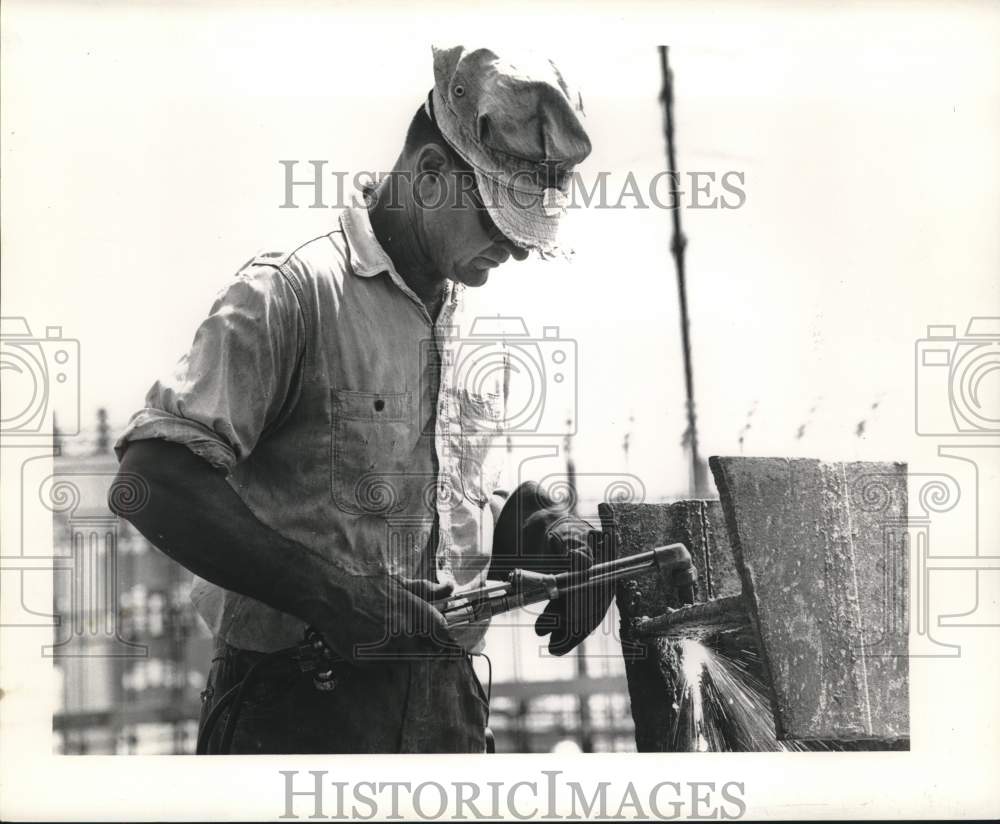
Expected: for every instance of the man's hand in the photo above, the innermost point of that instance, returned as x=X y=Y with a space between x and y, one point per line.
x=534 y=533
x=197 y=519
x=381 y=617
x=427 y=590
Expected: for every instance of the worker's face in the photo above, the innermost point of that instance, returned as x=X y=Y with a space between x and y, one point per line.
x=459 y=235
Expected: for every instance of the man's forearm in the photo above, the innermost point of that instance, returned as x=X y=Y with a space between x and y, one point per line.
x=197 y=519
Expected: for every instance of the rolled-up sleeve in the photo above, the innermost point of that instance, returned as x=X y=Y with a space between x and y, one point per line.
x=237 y=378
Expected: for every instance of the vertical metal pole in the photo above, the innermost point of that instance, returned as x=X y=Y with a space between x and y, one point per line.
x=583 y=706
x=699 y=476
x=583 y=701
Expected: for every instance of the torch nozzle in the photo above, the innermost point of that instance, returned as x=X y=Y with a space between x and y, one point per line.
x=677 y=570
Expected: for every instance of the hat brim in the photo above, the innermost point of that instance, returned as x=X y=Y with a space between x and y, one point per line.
x=519 y=214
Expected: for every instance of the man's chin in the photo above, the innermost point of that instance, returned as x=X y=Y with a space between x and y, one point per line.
x=474 y=277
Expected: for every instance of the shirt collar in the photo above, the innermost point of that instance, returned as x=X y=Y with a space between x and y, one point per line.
x=368 y=258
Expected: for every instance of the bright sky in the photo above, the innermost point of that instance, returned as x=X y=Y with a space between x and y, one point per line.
x=141 y=169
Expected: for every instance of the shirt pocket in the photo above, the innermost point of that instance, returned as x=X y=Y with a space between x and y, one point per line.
x=373 y=434
x=481 y=420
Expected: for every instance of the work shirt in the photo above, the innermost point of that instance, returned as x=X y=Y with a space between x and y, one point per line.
x=323 y=388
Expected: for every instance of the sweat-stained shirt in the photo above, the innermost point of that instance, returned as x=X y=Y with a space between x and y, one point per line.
x=320 y=384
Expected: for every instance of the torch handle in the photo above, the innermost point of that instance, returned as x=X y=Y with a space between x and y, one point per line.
x=524 y=587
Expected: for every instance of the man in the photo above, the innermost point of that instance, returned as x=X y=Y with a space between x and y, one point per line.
x=316 y=460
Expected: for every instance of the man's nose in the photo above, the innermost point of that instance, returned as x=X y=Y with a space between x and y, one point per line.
x=519 y=253
x=511 y=249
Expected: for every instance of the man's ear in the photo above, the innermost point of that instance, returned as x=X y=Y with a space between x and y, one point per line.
x=432 y=157
x=431 y=163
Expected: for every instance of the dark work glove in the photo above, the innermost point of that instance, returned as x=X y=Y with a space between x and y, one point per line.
x=534 y=532
x=569 y=619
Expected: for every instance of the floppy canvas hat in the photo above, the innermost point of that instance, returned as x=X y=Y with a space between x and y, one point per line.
x=517 y=123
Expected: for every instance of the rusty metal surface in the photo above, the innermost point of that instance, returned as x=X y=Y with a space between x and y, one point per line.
x=652 y=664
x=698 y=524
x=878 y=503
x=699 y=621
x=825 y=590
x=653 y=671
